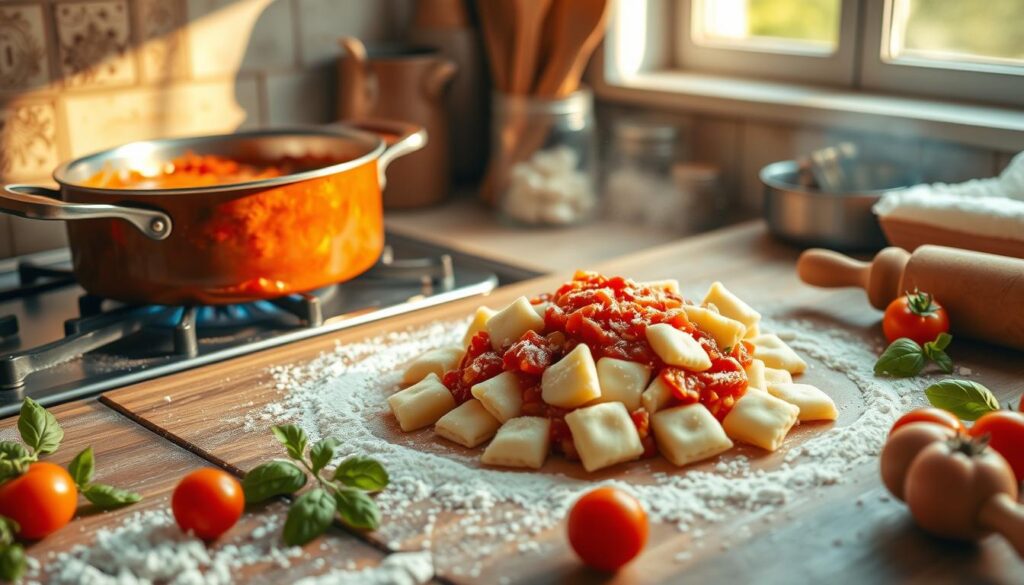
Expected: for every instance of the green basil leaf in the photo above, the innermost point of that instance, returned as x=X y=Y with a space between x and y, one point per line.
x=966 y=399
x=364 y=473
x=107 y=496
x=10 y=469
x=81 y=468
x=12 y=562
x=13 y=450
x=39 y=429
x=357 y=509
x=902 y=359
x=275 y=478
x=941 y=342
x=293 y=438
x=941 y=359
x=8 y=529
x=308 y=517
x=321 y=453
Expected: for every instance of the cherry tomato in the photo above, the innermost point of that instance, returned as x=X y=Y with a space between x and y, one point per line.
x=41 y=501
x=931 y=415
x=1006 y=435
x=208 y=502
x=607 y=528
x=917 y=316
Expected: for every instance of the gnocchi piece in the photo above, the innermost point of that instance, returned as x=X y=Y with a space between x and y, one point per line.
x=755 y=375
x=437 y=361
x=731 y=306
x=421 y=404
x=604 y=435
x=777 y=376
x=753 y=332
x=469 y=424
x=541 y=308
x=520 y=442
x=725 y=331
x=622 y=381
x=509 y=324
x=776 y=354
x=656 y=396
x=812 y=402
x=689 y=433
x=668 y=284
x=677 y=348
x=760 y=419
x=500 y=395
x=571 y=381
x=478 y=324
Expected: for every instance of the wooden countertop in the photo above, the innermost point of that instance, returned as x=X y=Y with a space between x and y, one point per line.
x=827 y=536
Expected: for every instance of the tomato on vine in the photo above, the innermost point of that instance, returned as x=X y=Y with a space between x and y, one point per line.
x=917 y=316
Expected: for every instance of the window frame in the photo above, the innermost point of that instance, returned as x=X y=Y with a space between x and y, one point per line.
x=836 y=68
x=974 y=82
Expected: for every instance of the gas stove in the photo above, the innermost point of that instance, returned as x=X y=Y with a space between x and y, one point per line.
x=58 y=343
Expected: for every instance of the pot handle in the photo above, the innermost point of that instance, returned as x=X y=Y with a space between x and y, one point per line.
x=410 y=138
x=42 y=203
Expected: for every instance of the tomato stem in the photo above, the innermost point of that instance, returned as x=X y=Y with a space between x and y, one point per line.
x=921 y=303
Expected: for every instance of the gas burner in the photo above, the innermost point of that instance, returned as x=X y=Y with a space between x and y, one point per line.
x=61 y=353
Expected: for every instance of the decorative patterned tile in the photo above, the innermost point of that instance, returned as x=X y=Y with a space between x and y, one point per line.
x=23 y=61
x=100 y=120
x=228 y=36
x=28 y=140
x=301 y=97
x=94 y=41
x=163 y=53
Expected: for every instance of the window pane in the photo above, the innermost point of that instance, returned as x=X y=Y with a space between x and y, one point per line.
x=770 y=25
x=955 y=31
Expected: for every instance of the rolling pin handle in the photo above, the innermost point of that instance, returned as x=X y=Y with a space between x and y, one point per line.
x=881 y=278
x=1002 y=514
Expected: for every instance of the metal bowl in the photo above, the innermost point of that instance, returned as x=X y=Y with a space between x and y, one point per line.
x=805 y=216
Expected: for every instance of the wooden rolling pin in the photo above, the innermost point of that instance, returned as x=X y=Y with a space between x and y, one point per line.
x=983 y=293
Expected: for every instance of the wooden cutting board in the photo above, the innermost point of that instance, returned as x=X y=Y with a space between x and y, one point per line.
x=850 y=529
x=130 y=457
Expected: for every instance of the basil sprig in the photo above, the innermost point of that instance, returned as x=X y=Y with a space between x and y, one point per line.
x=966 y=399
x=345 y=493
x=41 y=434
x=905 y=358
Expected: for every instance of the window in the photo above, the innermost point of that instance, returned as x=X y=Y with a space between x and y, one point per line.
x=951 y=49
x=810 y=26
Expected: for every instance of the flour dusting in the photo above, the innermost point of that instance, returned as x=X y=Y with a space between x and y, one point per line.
x=342 y=393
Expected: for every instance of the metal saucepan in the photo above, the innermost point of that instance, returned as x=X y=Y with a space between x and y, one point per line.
x=801 y=213
x=228 y=243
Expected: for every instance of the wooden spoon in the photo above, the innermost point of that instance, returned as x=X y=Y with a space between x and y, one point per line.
x=497 y=32
x=573 y=30
x=529 y=22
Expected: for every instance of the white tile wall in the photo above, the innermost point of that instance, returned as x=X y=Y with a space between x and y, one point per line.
x=301 y=97
x=227 y=36
x=98 y=121
x=321 y=22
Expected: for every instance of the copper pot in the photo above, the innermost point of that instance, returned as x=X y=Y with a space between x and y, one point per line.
x=228 y=243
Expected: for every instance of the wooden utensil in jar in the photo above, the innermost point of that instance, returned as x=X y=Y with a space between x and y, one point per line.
x=983 y=293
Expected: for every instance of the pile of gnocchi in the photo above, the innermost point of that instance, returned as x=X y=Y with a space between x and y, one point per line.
x=608 y=370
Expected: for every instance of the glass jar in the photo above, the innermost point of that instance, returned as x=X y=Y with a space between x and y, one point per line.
x=639 y=185
x=544 y=158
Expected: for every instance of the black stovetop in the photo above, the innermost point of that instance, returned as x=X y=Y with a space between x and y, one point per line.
x=45 y=318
